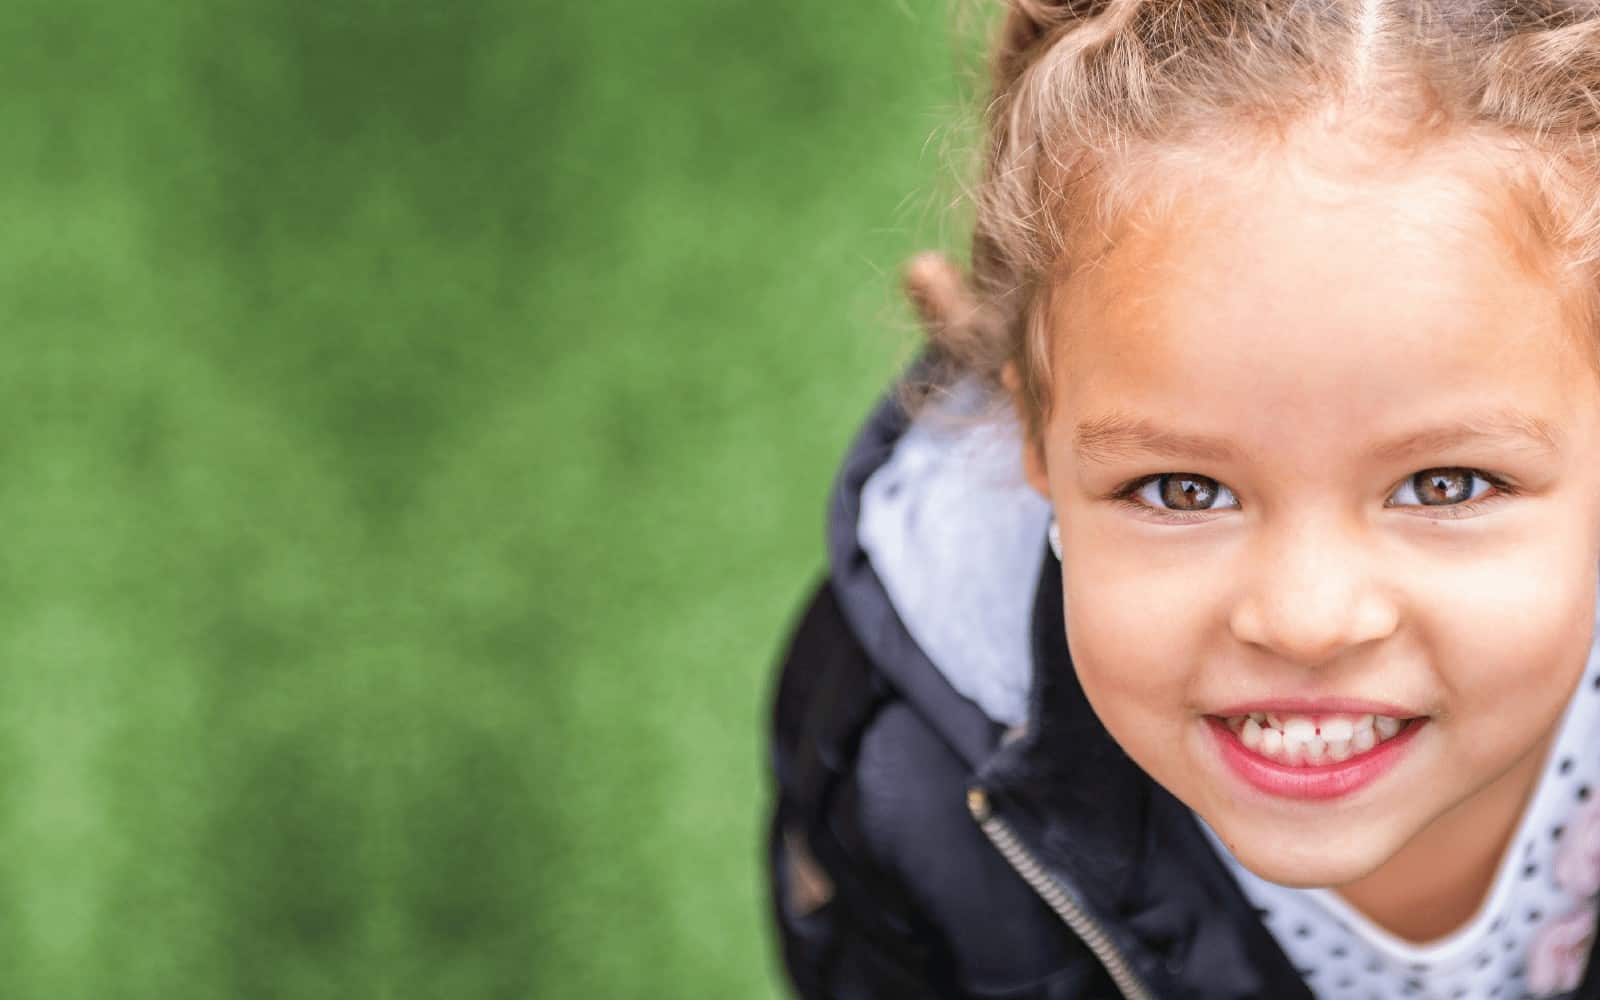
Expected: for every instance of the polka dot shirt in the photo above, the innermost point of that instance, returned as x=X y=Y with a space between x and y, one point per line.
x=1531 y=936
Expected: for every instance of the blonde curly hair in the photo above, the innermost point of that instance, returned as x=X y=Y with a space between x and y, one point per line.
x=1092 y=98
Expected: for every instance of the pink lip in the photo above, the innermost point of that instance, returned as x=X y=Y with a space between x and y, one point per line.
x=1318 y=706
x=1319 y=782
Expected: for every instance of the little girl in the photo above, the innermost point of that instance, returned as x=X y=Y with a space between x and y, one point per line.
x=1212 y=604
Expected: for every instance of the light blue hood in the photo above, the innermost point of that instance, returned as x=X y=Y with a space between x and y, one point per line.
x=954 y=533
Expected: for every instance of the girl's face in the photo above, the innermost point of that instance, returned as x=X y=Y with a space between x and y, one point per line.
x=1358 y=460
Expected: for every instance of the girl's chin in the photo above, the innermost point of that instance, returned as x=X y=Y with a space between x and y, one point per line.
x=1293 y=859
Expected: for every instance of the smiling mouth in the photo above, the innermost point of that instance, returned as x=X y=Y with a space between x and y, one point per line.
x=1297 y=740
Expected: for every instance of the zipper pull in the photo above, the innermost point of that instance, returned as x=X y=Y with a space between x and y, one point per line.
x=978 y=803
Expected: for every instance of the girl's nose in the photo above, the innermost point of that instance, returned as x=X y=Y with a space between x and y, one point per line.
x=1312 y=594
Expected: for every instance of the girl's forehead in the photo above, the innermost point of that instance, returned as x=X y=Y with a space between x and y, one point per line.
x=1316 y=190
x=1269 y=293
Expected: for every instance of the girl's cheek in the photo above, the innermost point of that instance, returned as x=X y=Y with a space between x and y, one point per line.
x=1510 y=646
x=1133 y=645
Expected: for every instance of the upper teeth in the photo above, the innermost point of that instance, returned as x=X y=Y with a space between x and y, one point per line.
x=1305 y=739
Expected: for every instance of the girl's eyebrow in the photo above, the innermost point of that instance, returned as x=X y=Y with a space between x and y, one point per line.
x=1505 y=427
x=1117 y=437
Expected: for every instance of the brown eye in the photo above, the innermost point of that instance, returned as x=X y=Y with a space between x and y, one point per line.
x=1441 y=487
x=1180 y=491
x=1176 y=496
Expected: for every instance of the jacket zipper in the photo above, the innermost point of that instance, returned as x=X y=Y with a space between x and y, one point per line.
x=1052 y=892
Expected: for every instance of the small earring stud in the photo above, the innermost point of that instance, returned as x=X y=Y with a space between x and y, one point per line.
x=1054 y=533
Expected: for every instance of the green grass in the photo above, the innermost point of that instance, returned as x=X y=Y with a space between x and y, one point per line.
x=419 y=419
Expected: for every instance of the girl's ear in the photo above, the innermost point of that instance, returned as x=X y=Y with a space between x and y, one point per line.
x=1034 y=468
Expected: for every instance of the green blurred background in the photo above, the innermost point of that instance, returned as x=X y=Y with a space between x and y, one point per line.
x=419 y=424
